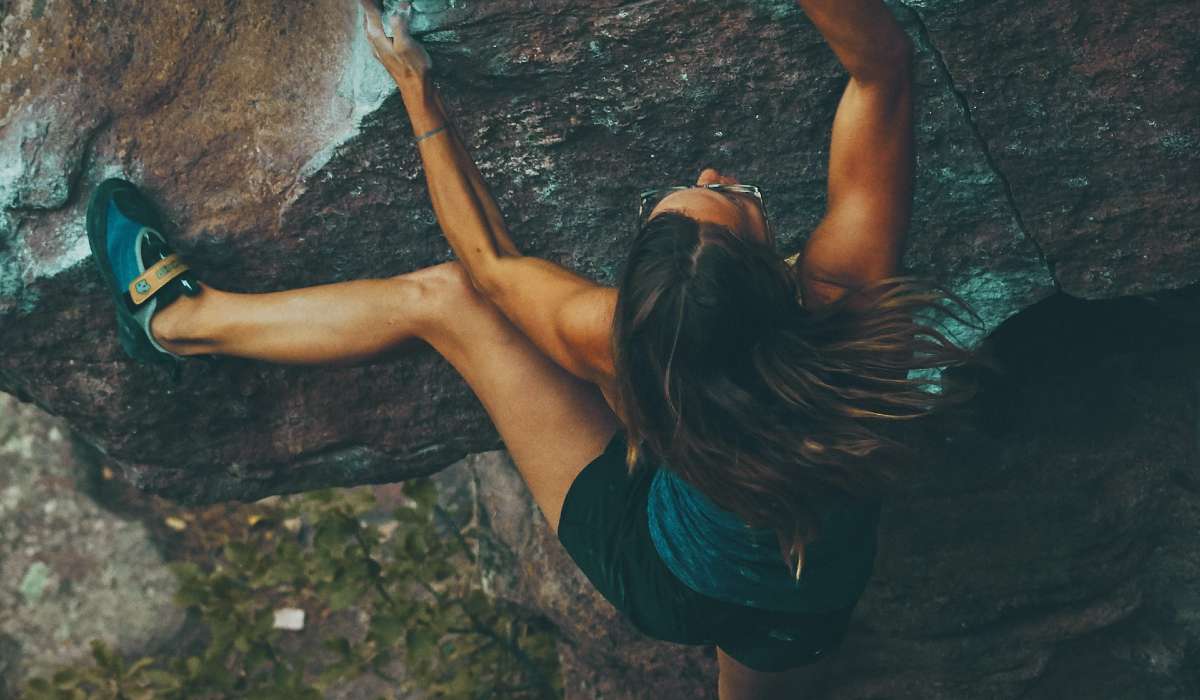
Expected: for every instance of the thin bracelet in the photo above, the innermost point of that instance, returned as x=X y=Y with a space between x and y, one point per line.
x=431 y=132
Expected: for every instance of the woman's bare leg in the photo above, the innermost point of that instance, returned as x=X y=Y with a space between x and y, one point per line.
x=552 y=423
x=329 y=324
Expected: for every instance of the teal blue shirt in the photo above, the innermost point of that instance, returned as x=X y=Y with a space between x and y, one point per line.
x=715 y=553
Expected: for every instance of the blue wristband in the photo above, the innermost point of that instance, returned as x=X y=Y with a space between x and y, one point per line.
x=431 y=132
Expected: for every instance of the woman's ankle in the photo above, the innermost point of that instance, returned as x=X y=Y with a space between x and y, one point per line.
x=176 y=326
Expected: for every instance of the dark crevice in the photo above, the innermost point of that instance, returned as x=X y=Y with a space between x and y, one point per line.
x=1063 y=335
x=85 y=160
x=926 y=40
x=1064 y=340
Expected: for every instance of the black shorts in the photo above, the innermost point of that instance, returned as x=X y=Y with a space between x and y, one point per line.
x=604 y=528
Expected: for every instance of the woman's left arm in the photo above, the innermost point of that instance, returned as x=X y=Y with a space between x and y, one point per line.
x=566 y=316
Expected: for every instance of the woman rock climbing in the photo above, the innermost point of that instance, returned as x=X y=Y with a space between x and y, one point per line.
x=709 y=439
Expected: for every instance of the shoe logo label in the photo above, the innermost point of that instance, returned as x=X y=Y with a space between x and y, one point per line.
x=167 y=269
x=153 y=279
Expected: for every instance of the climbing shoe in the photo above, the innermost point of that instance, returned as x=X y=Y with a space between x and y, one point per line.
x=141 y=271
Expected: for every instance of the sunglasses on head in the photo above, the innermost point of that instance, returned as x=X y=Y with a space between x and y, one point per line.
x=649 y=198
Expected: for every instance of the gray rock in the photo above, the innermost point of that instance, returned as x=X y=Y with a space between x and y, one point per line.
x=70 y=571
x=1090 y=118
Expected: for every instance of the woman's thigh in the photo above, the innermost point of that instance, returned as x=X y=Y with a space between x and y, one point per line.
x=552 y=423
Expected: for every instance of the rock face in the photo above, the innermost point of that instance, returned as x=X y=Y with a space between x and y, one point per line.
x=263 y=130
x=1087 y=113
x=1057 y=151
x=70 y=571
x=1051 y=549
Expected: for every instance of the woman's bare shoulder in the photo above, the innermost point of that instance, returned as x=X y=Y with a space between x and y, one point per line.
x=815 y=293
x=587 y=324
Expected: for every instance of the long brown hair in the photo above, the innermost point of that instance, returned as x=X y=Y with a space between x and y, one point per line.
x=769 y=408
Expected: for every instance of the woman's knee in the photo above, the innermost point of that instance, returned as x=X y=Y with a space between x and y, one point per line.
x=441 y=294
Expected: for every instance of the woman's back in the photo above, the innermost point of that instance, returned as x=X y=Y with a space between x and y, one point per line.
x=713 y=551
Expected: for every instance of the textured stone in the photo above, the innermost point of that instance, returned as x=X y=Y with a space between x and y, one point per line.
x=572 y=104
x=1027 y=562
x=70 y=571
x=1090 y=112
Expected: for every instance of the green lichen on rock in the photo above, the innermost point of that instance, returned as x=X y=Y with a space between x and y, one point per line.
x=35 y=581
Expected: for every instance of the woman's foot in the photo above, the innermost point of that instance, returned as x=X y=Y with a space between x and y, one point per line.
x=142 y=272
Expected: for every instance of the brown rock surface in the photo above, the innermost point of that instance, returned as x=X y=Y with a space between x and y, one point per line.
x=236 y=115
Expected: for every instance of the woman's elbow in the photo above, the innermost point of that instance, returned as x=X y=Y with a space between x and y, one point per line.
x=488 y=278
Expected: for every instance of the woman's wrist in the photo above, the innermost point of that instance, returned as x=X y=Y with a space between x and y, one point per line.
x=414 y=85
x=422 y=103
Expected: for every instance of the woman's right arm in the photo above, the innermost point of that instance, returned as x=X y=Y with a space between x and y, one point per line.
x=566 y=316
x=860 y=239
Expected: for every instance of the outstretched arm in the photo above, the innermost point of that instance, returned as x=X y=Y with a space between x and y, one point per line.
x=861 y=237
x=460 y=197
x=566 y=316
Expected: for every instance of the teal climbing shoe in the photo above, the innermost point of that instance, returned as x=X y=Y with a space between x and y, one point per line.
x=142 y=272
